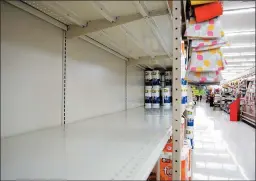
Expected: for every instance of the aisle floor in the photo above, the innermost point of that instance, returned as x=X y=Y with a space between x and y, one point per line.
x=224 y=150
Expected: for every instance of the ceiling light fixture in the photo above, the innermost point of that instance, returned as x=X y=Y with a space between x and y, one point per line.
x=241 y=65
x=239 y=11
x=240 y=60
x=239 y=46
x=239 y=54
x=234 y=33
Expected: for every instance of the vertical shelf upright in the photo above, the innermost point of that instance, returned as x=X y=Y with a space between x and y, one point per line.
x=177 y=108
x=64 y=77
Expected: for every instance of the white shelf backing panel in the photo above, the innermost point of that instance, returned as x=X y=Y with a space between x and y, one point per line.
x=95 y=81
x=120 y=146
x=135 y=87
x=31 y=72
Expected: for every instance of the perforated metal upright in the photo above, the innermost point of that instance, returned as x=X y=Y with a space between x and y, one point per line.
x=177 y=109
x=64 y=76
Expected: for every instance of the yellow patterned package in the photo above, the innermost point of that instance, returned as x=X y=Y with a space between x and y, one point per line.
x=197 y=2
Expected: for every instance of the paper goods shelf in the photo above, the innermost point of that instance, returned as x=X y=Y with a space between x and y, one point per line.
x=81 y=66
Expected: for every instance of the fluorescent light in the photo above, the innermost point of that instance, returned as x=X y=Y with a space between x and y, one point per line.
x=239 y=46
x=237 y=68
x=247 y=32
x=239 y=11
x=232 y=70
x=247 y=53
x=226 y=73
x=239 y=54
x=240 y=60
x=241 y=65
x=229 y=70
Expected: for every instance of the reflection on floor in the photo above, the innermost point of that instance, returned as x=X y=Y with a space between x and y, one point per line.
x=224 y=150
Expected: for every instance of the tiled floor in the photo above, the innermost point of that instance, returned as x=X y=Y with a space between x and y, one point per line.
x=224 y=150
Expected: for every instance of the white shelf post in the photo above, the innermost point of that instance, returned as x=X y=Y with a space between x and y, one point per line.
x=176 y=89
x=64 y=77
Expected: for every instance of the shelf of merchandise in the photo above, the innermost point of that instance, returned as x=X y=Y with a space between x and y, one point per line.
x=119 y=146
x=247 y=115
x=226 y=98
x=249 y=118
x=226 y=104
x=225 y=110
x=242 y=86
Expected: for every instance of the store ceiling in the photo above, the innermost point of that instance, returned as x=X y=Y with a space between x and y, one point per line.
x=147 y=41
x=239 y=27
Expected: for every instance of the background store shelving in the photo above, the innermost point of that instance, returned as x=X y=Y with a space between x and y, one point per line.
x=242 y=87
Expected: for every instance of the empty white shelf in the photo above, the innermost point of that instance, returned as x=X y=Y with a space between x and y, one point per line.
x=119 y=146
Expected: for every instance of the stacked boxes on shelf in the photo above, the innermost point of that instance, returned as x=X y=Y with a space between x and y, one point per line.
x=165 y=161
x=148 y=89
x=158 y=89
x=184 y=83
x=190 y=123
x=168 y=86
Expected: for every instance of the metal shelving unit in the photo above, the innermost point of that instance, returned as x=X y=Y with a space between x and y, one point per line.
x=123 y=145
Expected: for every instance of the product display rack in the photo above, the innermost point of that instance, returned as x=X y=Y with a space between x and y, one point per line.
x=124 y=146
x=244 y=88
x=226 y=99
x=248 y=107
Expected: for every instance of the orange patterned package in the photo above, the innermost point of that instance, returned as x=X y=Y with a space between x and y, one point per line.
x=165 y=167
x=166 y=164
x=185 y=161
x=187 y=144
x=168 y=146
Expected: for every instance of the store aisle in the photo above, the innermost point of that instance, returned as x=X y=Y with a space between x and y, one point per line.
x=224 y=150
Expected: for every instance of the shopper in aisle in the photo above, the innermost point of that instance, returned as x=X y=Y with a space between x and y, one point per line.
x=196 y=93
x=211 y=98
x=201 y=93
